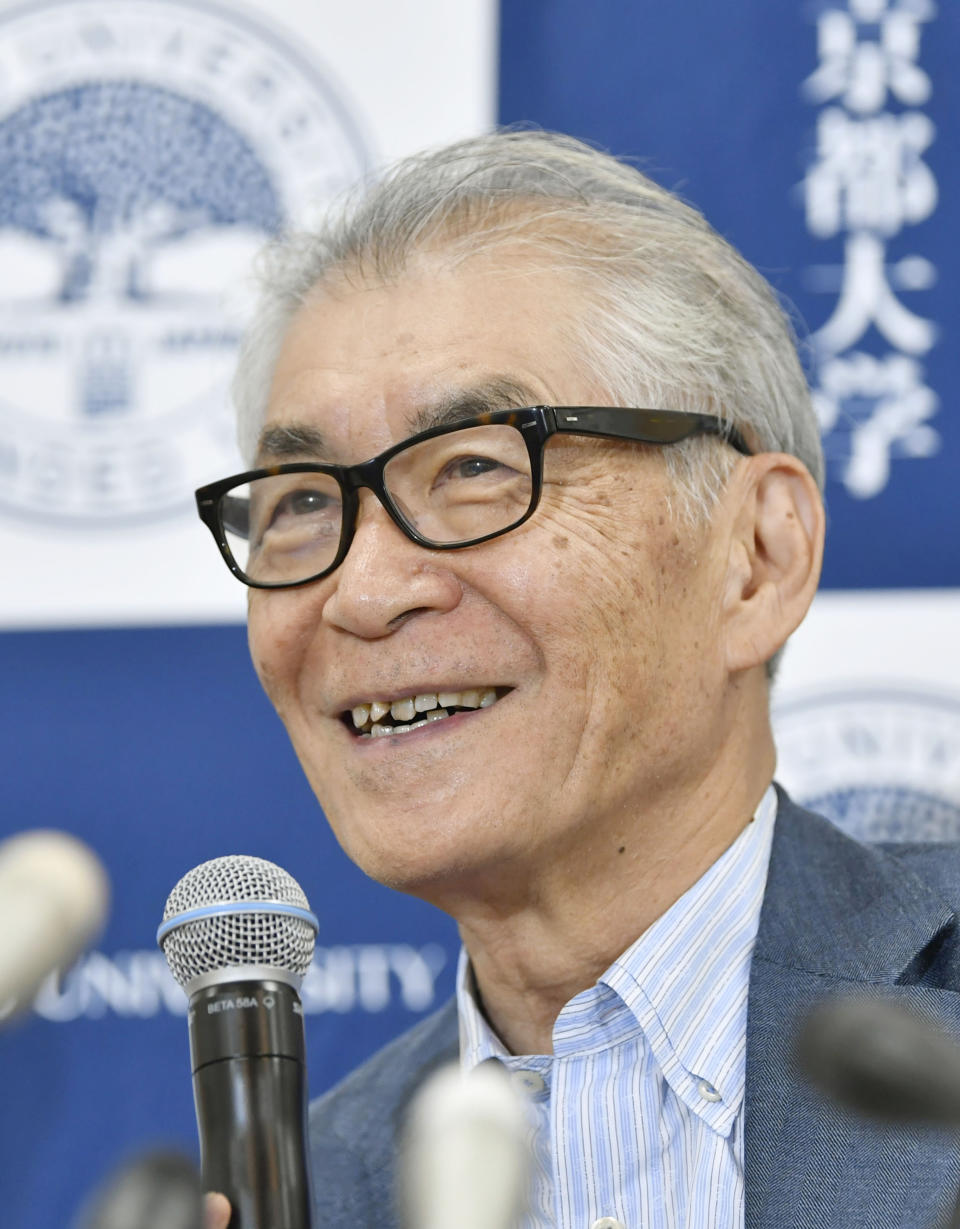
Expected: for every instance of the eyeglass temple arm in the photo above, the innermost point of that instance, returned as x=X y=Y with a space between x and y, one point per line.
x=645 y=426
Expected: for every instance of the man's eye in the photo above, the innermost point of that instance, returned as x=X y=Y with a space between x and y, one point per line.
x=303 y=510
x=468 y=467
x=302 y=503
x=472 y=467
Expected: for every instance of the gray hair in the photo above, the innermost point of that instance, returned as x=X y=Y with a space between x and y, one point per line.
x=674 y=317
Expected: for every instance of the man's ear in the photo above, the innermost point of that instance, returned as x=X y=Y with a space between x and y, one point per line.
x=776 y=549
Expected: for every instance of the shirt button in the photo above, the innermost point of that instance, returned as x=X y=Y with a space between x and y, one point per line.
x=608 y=1222
x=707 y=1091
x=530 y=1082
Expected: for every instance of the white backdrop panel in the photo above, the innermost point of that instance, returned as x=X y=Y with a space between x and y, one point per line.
x=149 y=149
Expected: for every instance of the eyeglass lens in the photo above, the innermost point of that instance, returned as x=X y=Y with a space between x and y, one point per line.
x=450 y=489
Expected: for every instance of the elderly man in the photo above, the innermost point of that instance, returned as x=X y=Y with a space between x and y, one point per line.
x=535 y=507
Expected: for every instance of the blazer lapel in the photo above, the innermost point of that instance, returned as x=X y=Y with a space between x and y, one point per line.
x=839 y=917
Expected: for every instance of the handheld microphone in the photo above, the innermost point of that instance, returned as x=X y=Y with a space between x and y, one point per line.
x=53 y=902
x=238 y=935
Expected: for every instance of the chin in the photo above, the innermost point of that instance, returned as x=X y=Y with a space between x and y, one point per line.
x=420 y=873
x=432 y=860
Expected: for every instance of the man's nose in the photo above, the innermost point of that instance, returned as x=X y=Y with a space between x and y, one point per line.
x=386 y=579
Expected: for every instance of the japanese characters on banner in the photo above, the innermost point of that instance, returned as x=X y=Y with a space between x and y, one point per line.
x=868 y=708
x=868 y=184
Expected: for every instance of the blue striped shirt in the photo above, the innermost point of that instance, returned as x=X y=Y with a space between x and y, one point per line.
x=637 y=1116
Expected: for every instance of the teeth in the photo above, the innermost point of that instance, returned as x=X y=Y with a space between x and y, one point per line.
x=433 y=706
x=381 y=731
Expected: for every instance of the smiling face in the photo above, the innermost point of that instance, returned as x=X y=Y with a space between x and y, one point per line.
x=593 y=626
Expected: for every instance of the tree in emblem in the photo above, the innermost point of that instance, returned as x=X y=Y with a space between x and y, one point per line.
x=109 y=171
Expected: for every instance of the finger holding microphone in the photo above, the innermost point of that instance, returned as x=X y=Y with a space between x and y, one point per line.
x=238 y=935
x=216 y=1211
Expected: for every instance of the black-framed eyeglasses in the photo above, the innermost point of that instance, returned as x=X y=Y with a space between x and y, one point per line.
x=446 y=488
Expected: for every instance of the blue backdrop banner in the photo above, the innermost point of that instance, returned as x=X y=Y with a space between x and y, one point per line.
x=821 y=140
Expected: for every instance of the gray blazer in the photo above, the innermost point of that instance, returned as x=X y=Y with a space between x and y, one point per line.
x=838 y=916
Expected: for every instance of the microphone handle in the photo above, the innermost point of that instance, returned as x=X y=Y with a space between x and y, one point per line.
x=250 y=1091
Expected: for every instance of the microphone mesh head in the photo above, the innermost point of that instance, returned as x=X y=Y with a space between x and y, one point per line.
x=232 y=940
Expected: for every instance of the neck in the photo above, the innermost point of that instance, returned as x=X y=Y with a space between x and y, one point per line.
x=531 y=954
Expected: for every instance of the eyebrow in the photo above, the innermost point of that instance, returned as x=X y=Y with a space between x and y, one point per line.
x=498 y=393
x=297 y=440
x=291 y=442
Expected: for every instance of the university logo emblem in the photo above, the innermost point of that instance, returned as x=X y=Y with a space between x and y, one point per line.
x=883 y=763
x=148 y=148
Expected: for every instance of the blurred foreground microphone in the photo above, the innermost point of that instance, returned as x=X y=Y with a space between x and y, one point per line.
x=159 y=1190
x=880 y=1059
x=238 y=935
x=466 y=1155
x=53 y=903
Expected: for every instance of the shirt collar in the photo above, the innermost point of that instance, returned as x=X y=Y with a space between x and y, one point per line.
x=685 y=980
x=682 y=985
x=478 y=1041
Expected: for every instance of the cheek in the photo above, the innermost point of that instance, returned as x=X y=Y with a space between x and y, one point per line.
x=278 y=636
x=590 y=608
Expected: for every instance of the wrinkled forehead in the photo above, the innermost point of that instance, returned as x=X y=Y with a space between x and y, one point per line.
x=364 y=364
